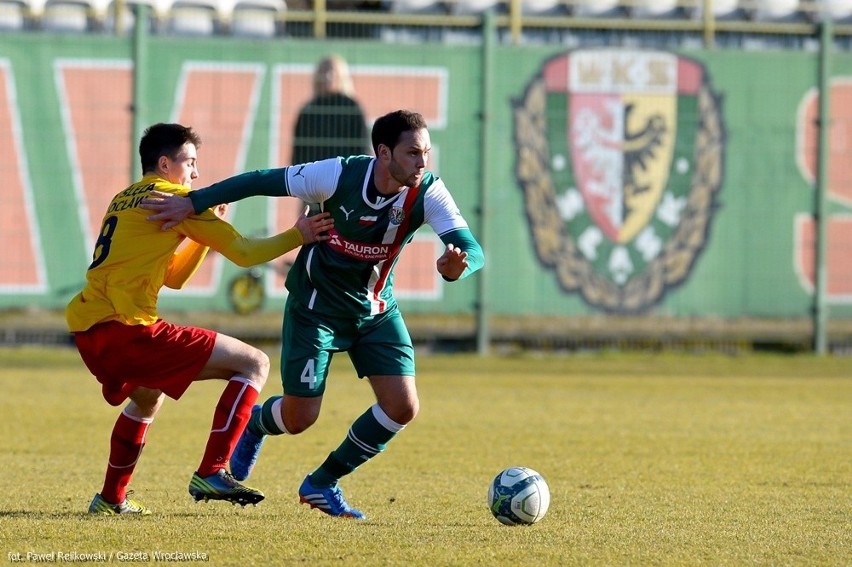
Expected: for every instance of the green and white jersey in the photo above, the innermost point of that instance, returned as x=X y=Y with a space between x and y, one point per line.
x=351 y=275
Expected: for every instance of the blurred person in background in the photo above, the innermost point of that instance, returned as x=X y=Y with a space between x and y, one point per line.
x=134 y=354
x=341 y=291
x=332 y=123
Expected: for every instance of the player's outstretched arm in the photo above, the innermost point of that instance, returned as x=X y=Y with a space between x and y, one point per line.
x=168 y=208
x=315 y=228
x=266 y=182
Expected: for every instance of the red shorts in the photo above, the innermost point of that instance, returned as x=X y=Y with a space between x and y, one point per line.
x=161 y=356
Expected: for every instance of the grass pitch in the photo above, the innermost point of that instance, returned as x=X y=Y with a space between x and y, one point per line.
x=651 y=460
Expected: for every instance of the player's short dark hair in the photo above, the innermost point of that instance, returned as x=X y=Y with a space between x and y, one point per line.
x=388 y=128
x=164 y=140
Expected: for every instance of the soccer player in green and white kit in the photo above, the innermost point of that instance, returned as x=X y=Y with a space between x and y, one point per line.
x=341 y=291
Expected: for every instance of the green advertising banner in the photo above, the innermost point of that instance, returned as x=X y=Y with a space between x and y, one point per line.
x=619 y=181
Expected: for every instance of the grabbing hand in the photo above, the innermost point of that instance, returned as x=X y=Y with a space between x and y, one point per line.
x=169 y=208
x=452 y=263
x=220 y=210
x=314 y=228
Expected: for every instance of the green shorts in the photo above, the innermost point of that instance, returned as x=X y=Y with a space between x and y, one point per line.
x=378 y=345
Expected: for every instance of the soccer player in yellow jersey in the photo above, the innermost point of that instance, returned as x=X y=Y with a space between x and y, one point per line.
x=135 y=354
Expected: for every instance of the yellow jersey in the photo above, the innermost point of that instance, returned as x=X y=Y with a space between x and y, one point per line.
x=134 y=258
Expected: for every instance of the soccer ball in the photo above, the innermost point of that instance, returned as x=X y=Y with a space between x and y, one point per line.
x=518 y=495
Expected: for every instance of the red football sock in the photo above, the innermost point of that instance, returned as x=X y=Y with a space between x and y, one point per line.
x=229 y=420
x=125 y=447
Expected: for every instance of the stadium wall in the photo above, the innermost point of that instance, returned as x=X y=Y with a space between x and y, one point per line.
x=621 y=182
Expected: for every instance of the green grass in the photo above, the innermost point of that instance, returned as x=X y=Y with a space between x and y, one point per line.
x=651 y=460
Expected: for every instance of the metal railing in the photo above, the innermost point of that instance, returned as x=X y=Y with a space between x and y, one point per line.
x=694 y=17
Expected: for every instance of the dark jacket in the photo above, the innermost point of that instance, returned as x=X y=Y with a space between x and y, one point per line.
x=330 y=125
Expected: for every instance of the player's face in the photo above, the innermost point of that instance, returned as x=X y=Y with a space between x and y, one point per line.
x=184 y=168
x=410 y=157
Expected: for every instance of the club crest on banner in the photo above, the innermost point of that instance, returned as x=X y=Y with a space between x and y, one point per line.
x=620 y=156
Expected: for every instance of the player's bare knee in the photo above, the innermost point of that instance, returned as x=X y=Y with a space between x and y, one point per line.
x=413 y=410
x=403 y=412
x=264 y=363
x=299 y=413
x=145 y=403
x=298 y=424
x=295 y=427
x=406 y=416
x=258 y=368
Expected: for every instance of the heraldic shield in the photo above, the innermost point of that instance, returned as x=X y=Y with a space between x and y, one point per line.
x=620 y=157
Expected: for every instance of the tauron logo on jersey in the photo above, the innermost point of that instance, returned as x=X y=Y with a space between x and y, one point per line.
x=620 y=156
x=364 y=251
x=396 y=215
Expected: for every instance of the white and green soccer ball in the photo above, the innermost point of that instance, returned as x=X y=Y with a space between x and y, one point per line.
x=518 y=495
